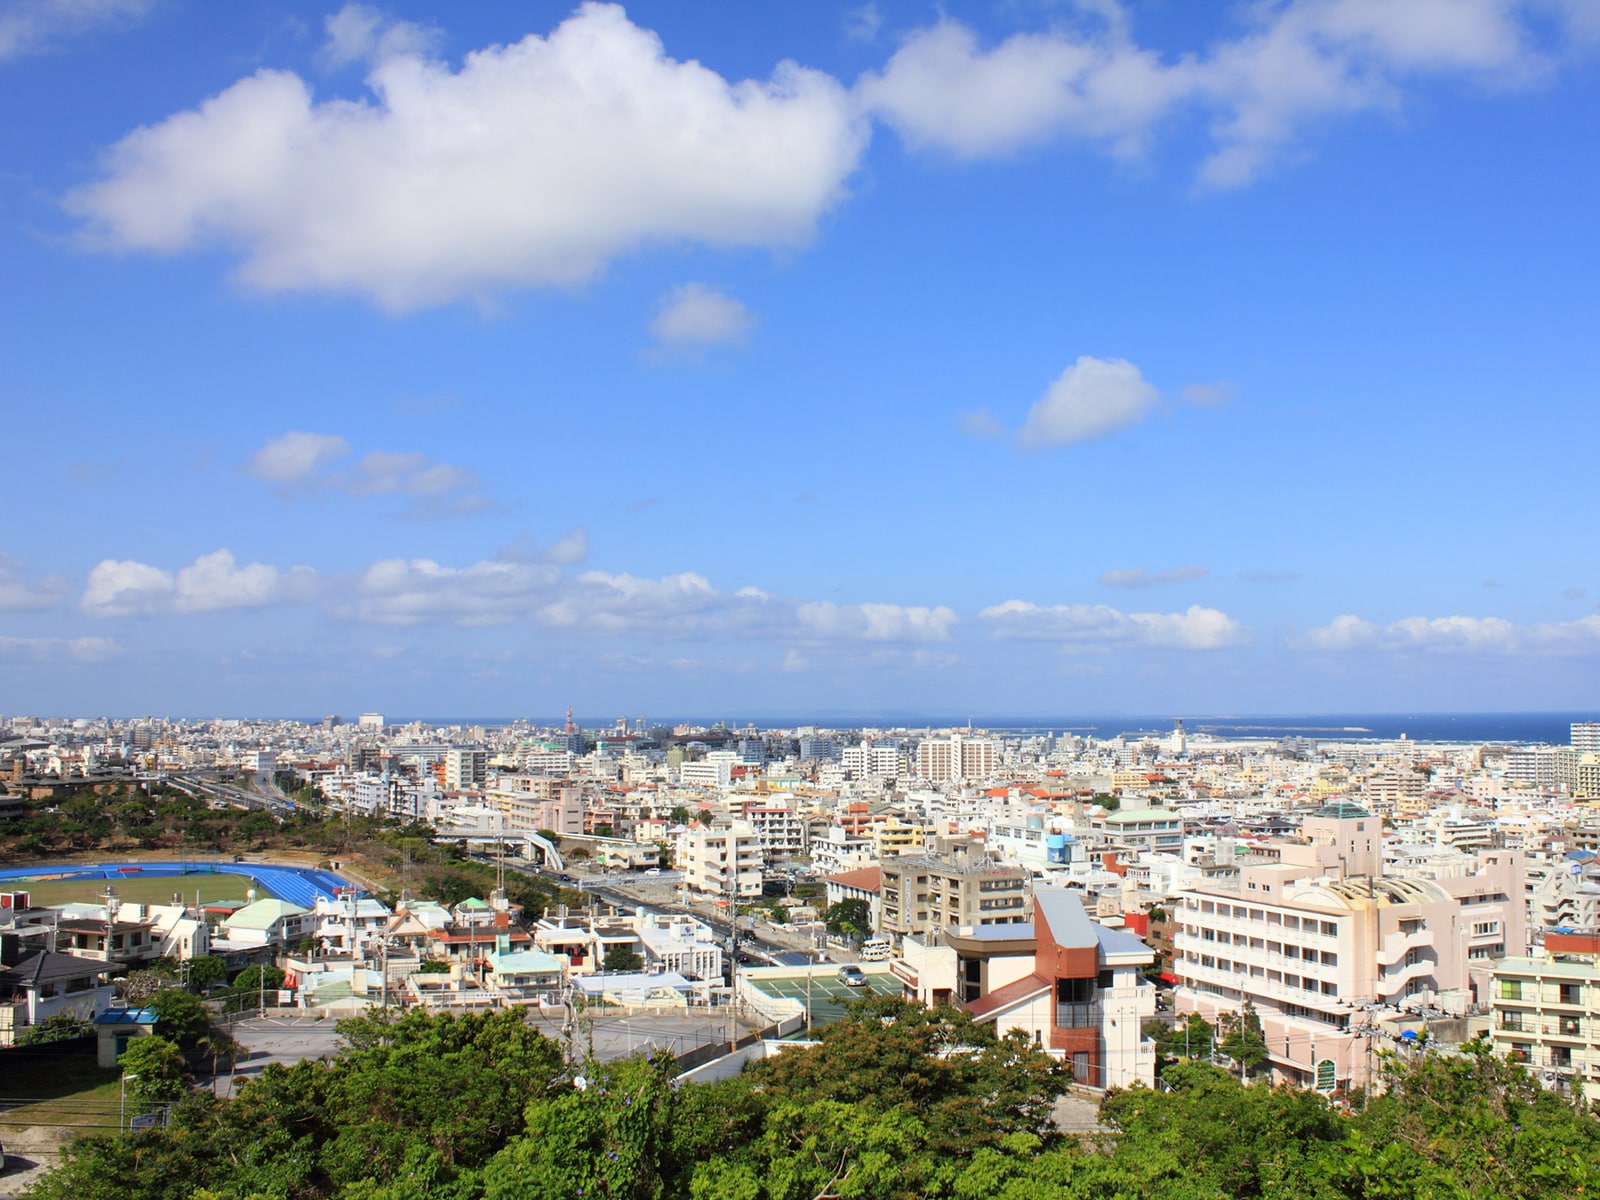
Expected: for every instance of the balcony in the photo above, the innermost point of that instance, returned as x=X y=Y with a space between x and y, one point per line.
x=1395 y=948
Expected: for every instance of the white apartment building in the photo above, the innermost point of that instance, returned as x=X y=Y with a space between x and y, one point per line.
x=781 y=830
x=370 y=720
x=465 y=769
x=723 y=861
x=1315 y=936
x=875 y=762
x=713 y=771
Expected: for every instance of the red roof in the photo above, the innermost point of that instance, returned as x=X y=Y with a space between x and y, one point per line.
x=867 y=879
x=1022 y=989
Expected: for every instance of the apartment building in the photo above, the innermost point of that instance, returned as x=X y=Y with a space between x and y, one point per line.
x=464 y=770
x=723 y=861
x=781 y=830
x=1142 y=831
x=1316 y=938
x=953 y=759
x=1547 y=1010
x=918 y=893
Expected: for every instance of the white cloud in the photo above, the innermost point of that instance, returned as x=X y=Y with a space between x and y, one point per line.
x=306 y=460
x=212 y=583
x=695 y=315
x=1136 y=577
x=84 y=649
x=501 y=591
x=1093 y=397
x=29 y=26
x=1088 y=625
x=534 y=164
x=940 y=90
x=297 y=457
x=23 y=595
x=1481 y=635
x=1089 y=80
x=877 y=622
x=359 y=33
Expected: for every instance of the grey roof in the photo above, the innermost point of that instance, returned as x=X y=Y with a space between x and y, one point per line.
x=1117 y=941
x=42 y=966
x=1061 y=909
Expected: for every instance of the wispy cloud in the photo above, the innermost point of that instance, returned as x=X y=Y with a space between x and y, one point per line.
x=315 y=461
x=695 y=316
x=1140 y=577
x=21 y=594
x=32 y=26
x=1091 y=625
x=1458 y=635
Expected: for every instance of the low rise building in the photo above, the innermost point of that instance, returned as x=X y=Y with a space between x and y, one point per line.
x=1547 y=1010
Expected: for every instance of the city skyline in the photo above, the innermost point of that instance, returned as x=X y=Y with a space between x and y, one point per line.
x=1056 y=358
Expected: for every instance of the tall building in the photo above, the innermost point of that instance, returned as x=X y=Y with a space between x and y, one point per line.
x=465 y=769
x=370 y=720
x=953 y=759
x=1317 y=938
x=1586 y=736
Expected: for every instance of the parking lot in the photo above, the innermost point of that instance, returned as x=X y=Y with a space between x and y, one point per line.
x=830 y=996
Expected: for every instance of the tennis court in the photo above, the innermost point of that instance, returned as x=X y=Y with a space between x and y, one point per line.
x=829 y=995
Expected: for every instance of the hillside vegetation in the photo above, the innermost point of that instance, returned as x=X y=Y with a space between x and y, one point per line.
x=896 y=1102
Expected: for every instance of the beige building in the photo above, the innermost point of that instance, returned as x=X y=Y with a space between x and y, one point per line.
x=1547 y=1010
x=919 y=893
x=1324 y=945
x=952 y=759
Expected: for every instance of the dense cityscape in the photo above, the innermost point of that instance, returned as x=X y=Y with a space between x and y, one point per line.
x=1089 y=494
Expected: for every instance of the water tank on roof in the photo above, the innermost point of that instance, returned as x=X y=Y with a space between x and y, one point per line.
x=1055 y=847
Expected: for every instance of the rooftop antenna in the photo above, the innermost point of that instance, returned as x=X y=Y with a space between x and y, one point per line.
x=570 y=726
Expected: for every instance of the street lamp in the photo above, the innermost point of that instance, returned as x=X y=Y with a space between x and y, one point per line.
x=122 y=1108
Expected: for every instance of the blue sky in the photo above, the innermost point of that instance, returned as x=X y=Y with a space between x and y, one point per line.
x=1013 y=357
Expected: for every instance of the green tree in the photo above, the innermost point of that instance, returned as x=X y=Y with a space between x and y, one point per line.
x=181 y=1016
x=850 y=918
x=1242 y=1039
x=204 y=970
x=250 y=984
x=160 y=1066
x=622 y=959
x=679 y=815
x=61 y=1027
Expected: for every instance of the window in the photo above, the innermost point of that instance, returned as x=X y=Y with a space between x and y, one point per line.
x=1511 y=989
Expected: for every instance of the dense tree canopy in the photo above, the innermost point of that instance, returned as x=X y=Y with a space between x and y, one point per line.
x=894 y=1102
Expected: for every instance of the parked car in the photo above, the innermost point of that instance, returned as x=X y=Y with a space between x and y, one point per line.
x=852 y=976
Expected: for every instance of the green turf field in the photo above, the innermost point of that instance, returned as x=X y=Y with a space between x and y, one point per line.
x=135 y=889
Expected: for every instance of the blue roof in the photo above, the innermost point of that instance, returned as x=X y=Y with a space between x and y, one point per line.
x=127 y=1016
x=1117 y=941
